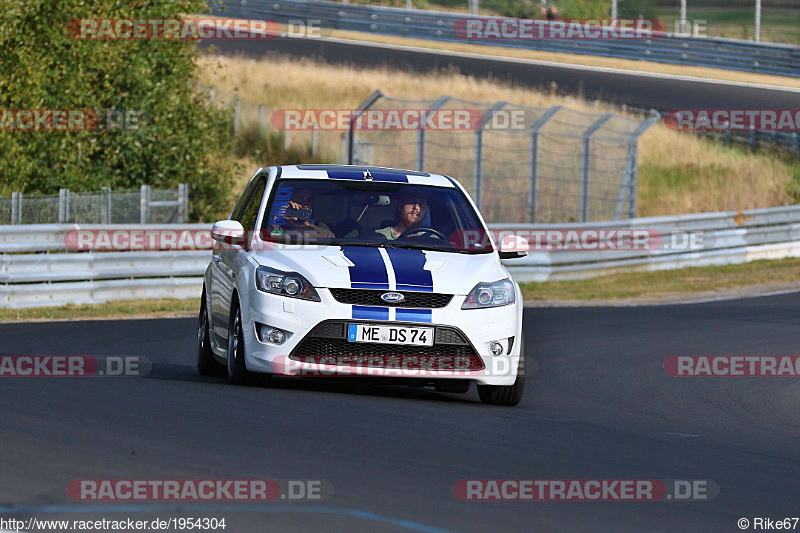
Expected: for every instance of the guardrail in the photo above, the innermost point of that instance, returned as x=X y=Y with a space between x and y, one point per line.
x=705 y=239
x=733 y=54
x=37 y=269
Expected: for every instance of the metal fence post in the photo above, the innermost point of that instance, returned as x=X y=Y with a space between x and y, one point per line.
x=63 y=206
x=236 y=116
x=144 y=205
x=16 y=208
x=632 y=165
x=421 y=131
x=366 y=104
x=261 y=131
x=634 y=179
x=626 y=185
x=534 y=168
x=795 y=143
x=106 y=195
x=587 y=137
x=183 y=198
x=421 y=147
x=477 y=167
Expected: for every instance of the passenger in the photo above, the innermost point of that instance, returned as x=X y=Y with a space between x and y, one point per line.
x=302 y=200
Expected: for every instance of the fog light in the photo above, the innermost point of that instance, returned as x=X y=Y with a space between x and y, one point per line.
x=276 y=336
x=496 y=348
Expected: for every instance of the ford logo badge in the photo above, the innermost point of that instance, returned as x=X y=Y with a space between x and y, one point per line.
x=392 y=297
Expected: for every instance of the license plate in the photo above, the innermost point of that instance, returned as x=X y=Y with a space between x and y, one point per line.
x=390 y=334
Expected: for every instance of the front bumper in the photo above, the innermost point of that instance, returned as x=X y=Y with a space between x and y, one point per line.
x=316 y=343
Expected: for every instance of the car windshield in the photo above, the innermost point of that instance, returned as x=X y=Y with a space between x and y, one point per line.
x=373 y=213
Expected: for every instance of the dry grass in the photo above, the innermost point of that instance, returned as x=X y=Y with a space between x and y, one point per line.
x=678 y=173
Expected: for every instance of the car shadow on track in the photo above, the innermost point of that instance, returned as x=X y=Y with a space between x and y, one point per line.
x=366 y=386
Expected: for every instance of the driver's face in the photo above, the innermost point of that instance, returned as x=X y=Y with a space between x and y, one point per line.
x=412 y=210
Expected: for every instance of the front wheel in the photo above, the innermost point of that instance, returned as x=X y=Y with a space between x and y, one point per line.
x=237 y=369
x=507 y=395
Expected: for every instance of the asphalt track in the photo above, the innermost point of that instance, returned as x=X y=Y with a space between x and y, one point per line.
x=600 y=405
x=619 y=87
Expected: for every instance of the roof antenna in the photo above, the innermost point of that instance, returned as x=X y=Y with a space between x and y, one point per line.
x=367 y=175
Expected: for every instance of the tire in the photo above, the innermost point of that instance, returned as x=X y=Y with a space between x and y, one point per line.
x=507 y=395
x=206 y=364
x=237 y=368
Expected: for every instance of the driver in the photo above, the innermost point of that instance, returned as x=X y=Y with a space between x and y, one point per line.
x=412 y=208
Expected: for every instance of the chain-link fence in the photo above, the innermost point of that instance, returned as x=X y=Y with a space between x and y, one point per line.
x=526 y=164
x=519 y=163
x=145 y=206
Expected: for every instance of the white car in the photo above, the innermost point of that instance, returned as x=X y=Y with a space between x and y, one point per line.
x=338 y=270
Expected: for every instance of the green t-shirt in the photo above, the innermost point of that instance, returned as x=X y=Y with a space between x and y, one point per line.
x=386 y=232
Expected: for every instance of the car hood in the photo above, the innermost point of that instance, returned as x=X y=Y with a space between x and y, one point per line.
x=364 y=267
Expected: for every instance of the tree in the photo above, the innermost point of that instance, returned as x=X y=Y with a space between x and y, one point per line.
x=181 y=139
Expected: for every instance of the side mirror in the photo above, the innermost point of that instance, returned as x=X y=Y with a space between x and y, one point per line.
x=514 y=247
x=228 y=232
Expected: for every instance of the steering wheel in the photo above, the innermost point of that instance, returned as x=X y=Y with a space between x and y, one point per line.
x=422 y=230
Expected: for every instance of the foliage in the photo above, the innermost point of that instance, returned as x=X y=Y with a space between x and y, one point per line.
x=636 y=8
x=584 y=9
x=181 y=138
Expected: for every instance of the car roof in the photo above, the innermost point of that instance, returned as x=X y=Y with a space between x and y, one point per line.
x=361 y=173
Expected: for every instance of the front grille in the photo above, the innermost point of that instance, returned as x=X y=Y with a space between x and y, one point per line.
x=328 y=338
x=411 y=361
x=429 y=300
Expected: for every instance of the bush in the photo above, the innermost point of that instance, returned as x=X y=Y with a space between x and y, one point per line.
x=584 y=9
x=635 y=8
x=41 y=67
x=521 y=9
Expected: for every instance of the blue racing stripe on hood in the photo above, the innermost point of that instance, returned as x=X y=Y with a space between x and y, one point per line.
x=408 y=270
x=369 y=270
x=366 y=312
x=413 y=315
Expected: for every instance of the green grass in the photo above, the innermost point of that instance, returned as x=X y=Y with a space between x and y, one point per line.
x=777 y=25
x=667 y=282
x=112 y=310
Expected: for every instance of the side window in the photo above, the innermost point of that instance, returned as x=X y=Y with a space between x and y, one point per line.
x=250 y=212
x=237 y=209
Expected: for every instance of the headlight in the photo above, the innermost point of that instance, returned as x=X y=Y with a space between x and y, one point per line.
x=494 y=294
x=289 y=284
